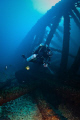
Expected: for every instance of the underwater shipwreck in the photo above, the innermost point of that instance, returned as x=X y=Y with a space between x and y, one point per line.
x=40 y=93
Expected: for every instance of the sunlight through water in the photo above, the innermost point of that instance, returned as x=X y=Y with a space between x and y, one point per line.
x=43 y=5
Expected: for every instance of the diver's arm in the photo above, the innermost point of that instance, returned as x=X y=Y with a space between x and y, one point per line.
x=50 y=53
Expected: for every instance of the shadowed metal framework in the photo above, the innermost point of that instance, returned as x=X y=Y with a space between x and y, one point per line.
x=51 y=94
x=66 y=9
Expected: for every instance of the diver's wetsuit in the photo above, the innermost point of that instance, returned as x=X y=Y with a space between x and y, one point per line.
x=43 y=54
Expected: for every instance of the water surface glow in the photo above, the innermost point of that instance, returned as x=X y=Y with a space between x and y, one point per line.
x=43 y=5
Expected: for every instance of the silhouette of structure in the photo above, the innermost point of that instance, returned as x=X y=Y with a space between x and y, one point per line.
x=34 y=83
x=66 y=9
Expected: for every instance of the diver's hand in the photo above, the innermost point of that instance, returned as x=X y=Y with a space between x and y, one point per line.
x=24 y=56
x=45 y=65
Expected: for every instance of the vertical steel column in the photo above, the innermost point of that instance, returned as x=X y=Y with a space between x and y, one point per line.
x=65 y=49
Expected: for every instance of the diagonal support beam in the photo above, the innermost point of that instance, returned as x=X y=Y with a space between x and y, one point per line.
x=60 y=51
x=53 y=29
x=77 y=12
x=75 y=19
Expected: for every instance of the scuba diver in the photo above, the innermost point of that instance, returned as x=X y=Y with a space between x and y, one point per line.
x=42 y=55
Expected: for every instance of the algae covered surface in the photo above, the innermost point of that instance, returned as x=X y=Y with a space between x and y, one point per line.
x=22 y=108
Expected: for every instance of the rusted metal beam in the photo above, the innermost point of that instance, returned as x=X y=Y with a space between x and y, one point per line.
x=75 y=18
x=53 y=28
x=77 y=12
x=57 y=50
x=76 y=64
x=65 y=49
